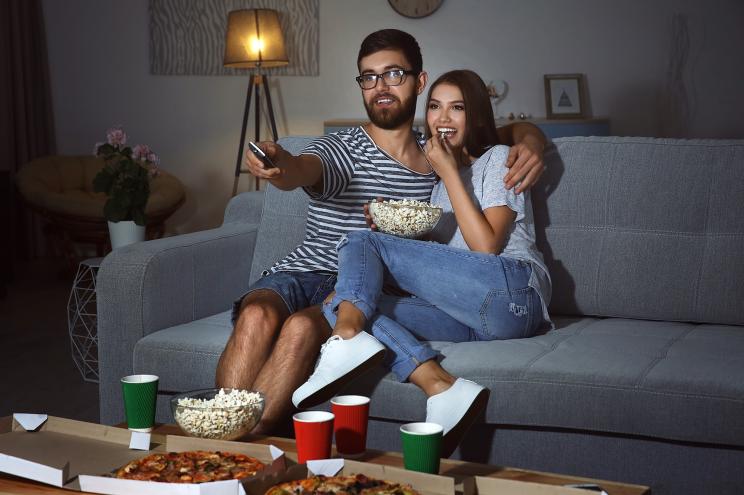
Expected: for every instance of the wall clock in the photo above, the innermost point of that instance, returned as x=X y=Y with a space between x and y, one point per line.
x=415 y=8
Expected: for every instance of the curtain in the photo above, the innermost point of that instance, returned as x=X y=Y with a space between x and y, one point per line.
x=26 y=120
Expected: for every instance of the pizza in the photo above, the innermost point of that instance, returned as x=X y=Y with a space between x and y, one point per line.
x=356 y=484
x=197 y=466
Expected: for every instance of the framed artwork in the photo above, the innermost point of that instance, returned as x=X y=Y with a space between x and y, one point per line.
x=565 y=96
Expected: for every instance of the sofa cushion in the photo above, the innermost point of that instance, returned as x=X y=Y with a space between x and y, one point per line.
x=644 y=228
x=282 y=220
x=605 y=375
x=620 y=235
x=184 y=356
x=659 y=379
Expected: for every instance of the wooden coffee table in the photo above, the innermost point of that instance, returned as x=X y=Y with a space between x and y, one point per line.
x=456 y=469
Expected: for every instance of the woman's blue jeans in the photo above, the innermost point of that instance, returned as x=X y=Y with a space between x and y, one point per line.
x=459 y=295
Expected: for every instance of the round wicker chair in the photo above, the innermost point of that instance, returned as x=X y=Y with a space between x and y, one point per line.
x=60 y=189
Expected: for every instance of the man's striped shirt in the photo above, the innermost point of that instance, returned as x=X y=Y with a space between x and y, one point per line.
x=355 y=172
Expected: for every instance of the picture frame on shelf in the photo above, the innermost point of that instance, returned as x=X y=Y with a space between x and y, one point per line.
x=565 y=96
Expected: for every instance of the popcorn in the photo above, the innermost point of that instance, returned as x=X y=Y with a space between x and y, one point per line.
x=227 y=415
x=405 y=218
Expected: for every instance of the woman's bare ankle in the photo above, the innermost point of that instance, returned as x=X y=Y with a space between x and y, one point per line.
x=345 y=333
x=349 y=321
x=432 y=378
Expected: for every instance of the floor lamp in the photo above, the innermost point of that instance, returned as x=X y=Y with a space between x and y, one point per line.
x=254 y=40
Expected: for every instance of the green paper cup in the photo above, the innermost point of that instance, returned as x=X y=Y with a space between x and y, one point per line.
x=422 y=446
x=140 y=395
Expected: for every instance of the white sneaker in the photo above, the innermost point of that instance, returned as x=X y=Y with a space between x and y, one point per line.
x=340 y=362
x=456 y=409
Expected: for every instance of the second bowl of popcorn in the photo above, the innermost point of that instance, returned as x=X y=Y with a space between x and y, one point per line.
x=404 y=218
x=217 y=413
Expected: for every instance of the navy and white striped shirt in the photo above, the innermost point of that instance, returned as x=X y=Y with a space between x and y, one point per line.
x=355 y=172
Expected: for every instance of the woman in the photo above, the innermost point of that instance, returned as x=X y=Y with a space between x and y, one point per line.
x=483 y=278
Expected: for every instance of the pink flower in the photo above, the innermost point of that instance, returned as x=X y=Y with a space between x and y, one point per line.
x=154 y=172
x=116 y=136
x=141 y=151
x=95 y=148
x=153 y=158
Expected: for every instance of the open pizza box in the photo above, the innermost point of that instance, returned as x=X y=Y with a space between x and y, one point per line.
x=426 y=484
x=81 y=456
x=480 y=485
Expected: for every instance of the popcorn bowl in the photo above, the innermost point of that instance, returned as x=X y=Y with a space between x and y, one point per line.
x=404 y=218
x=220 y=414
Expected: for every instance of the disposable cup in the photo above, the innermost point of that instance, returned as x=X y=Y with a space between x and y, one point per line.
x=422 y=446
x=140 y=394
x=350 y=424
x=313 y=432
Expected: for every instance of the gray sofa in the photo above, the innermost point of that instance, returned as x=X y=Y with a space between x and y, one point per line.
x=642 y=381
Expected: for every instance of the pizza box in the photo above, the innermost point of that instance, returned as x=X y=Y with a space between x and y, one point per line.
x=426 y=484
x=480 y=485
x=80 y=456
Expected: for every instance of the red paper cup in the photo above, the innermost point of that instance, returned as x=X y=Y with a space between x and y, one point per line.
x=313 y=432
x=350 y=425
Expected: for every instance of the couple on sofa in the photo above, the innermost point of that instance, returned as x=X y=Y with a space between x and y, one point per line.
x=482 y=279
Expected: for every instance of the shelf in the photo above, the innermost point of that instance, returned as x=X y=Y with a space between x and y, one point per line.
x=553 y=128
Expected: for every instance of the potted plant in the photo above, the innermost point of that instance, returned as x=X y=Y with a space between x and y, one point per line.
x=125 y=178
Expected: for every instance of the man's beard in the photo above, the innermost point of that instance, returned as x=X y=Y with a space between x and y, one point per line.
x=391 y=118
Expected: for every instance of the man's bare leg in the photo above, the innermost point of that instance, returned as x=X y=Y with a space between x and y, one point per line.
x=262 y=314
x=290 y=364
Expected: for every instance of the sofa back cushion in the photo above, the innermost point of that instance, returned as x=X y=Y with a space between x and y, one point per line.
x=283 y=218
x=630 y=227
x=644 y=228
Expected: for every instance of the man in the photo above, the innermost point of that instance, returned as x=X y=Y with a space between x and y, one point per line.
x=279 y=327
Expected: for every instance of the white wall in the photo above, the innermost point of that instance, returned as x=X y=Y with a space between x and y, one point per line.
x=98 y=54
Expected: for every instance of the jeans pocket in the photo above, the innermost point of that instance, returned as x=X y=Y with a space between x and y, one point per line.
x=507 y=314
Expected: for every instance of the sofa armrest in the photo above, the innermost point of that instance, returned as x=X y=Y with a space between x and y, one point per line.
x=245 y=207
x=157 y=284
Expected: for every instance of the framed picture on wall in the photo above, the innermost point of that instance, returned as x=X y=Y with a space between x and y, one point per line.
x=565 y=96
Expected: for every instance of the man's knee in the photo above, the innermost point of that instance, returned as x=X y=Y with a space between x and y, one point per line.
x=261 y=311
x=305 y=329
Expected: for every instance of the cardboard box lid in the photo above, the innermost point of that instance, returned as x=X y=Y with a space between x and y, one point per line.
x=68 y=446
x=62 y=452
x=480 y=485
x=426 y=484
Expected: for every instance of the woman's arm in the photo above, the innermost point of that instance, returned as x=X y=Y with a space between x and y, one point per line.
x=483 y=231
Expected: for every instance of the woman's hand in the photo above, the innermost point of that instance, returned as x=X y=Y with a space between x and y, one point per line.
x=441 y=157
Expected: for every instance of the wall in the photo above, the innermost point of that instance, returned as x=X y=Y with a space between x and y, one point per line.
x=98 y=53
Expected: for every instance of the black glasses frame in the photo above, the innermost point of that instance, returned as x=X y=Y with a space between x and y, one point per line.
x=389 y=73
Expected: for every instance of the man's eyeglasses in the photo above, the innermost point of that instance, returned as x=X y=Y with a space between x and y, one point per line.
x=393 y=77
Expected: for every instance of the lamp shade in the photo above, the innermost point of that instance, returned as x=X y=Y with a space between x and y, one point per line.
x=254 y=38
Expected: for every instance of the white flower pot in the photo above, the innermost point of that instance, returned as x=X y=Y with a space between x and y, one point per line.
x=125 y=233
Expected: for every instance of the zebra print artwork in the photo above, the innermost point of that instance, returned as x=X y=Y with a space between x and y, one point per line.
x=187 y=37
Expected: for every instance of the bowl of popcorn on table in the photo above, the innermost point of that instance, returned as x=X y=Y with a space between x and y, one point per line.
x=404 y=218
x=217 y=413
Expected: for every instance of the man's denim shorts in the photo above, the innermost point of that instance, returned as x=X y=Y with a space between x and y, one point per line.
x=298 y=290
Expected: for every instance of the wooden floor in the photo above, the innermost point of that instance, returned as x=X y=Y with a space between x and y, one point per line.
x=37 y=371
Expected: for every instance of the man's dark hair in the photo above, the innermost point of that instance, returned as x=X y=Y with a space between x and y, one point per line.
x=392 y=39
x=480 y=128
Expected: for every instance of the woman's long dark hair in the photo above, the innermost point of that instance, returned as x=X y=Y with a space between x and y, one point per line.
x=480 y=128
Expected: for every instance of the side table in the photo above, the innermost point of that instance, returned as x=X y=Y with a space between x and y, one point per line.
x=82 y=319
